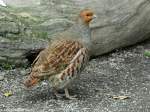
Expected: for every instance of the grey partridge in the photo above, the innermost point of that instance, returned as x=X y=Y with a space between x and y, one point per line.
x=61 y=62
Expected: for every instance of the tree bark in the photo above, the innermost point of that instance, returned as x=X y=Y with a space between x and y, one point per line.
x=23 y=29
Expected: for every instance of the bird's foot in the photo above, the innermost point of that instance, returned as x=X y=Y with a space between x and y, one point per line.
x=74 y=97
x=58 y=95
x=68 y=96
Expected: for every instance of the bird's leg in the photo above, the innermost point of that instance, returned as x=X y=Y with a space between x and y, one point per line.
x=68 y=95
x=58 y=95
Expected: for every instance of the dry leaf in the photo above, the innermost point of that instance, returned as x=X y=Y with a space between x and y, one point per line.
x=120 y=97
x=7 y=94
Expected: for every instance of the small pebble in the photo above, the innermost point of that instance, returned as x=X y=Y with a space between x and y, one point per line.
x=44 y=83
x=1 y=76
x=23 y=72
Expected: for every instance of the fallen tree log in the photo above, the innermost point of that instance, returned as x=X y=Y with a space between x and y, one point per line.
x=118 y=24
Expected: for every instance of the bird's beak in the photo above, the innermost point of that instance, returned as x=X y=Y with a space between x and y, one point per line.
x=94 y=16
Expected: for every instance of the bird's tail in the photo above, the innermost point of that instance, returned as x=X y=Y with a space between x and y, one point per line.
x=31 y=80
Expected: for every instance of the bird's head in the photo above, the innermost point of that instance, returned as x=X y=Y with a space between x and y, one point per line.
x=87 y=15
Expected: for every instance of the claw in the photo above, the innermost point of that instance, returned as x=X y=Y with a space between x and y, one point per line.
x=58 y=95
x=69 y=96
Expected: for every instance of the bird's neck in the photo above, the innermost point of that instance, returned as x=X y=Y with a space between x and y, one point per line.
x=82 y=32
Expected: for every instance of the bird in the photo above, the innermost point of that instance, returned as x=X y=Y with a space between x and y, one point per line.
x=2 y=3
x=62 y=61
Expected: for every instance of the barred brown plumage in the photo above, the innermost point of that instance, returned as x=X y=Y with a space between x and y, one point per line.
x=65 y=57
x=75 y=65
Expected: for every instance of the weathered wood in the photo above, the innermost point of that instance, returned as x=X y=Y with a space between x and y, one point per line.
x=118 y=24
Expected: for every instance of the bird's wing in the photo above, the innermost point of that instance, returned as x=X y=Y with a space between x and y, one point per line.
x=76 y=64
x=55 y=58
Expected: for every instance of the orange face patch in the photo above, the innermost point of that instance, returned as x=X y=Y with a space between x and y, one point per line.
x=86 y=15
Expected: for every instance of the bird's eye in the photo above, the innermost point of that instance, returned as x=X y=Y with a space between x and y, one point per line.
x=88 y=15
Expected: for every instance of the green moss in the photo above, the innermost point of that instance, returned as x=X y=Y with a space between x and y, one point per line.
x=39 y=34
x=7 y=66
x=147 y=53
x=21 y=23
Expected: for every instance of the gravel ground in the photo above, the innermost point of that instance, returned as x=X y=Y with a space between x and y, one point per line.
x=124 y=72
